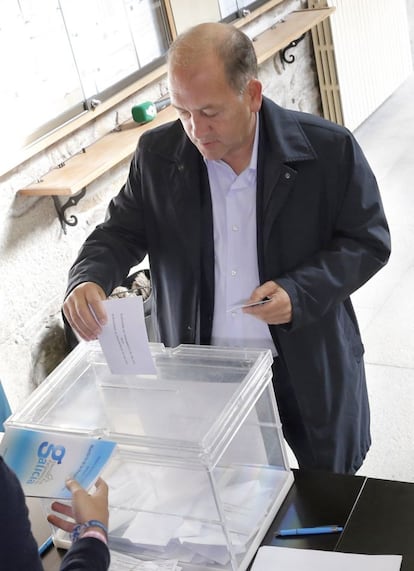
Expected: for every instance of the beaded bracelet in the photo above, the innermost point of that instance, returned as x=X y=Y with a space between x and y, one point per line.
x=80 y=527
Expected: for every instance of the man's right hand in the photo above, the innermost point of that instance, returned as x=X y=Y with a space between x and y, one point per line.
x=84 y=310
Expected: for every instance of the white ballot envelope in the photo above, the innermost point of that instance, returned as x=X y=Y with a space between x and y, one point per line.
x=124 y=339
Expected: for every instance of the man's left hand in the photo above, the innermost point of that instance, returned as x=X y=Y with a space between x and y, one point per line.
x=276 y=311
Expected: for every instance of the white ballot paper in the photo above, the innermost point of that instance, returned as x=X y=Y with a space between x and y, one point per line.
x=124 y=339
x=291 y=559
x=124 y=562
x=243 y=304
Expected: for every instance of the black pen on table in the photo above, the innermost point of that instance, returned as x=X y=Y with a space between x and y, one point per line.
x=309 y=530
x=45 y=545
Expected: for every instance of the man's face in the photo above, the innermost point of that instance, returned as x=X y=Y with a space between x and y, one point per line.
x=218 y=120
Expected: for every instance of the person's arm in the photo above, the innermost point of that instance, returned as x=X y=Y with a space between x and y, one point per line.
x=89 y=554
x=18 y=547
x=88 y=525
x=106 y=257
x=358 y=246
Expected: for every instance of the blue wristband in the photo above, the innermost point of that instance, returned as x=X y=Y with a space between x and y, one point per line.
x=80 y=528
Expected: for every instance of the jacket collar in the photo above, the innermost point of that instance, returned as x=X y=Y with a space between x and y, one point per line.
x=282 y=143
x=283 y=134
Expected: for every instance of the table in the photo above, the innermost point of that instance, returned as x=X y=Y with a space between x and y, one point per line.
x=377 y=516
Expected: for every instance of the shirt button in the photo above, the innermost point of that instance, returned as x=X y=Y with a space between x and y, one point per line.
x=233 y=314
x=235 y=228
x=233 y=272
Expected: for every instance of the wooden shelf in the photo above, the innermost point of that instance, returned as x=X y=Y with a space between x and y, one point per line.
x=284 y=32
x=84 y=168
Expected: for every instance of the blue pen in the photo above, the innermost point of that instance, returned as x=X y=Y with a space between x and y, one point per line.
x=309 y=530
x=45 y=545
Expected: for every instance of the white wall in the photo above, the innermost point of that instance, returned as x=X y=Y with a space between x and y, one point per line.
x=372 y=52
x=410 y=11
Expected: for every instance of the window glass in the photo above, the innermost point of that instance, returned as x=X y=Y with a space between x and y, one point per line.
x=228 y=7
x=147 y=22
x=57 y=54
x=112 y=39
x=39 y=79
x=233 y=8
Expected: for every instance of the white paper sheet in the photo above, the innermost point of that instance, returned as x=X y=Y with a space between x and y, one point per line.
x=152 y=529
x=290 y=559
x=124 y=339
x=242 y=304
x=124 y=562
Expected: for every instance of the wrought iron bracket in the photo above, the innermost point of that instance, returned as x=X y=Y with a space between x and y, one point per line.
x=291 y=57
x=61 y=209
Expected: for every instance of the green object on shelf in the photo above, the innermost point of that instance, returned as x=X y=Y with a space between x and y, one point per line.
x=144 y=112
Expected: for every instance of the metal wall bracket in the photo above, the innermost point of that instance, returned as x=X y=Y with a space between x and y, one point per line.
x=291 y=58
x=61 y=209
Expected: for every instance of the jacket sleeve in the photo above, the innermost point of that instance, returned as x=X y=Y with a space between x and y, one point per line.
x=119 y=243
x=18 y=548
x=356 y=241
x=87 y=554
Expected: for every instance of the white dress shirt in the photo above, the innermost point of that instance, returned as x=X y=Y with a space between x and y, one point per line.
x=236 y=272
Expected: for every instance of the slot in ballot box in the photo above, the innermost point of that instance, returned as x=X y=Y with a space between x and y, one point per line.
x=200 y=468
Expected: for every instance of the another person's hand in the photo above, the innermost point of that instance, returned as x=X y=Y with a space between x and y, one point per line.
x=85 y=507
x=77 y=307
x=275 y=312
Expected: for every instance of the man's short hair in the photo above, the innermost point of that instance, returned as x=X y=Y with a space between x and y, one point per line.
x=232 y=46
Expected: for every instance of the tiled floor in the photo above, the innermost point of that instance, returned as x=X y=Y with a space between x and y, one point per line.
x=385 y=305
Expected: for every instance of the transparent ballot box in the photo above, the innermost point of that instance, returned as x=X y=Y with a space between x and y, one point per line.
x=199 y=470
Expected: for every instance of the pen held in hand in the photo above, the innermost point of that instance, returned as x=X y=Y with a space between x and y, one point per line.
x=309 y=531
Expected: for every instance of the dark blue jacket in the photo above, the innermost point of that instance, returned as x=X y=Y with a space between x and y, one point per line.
x=322 y=234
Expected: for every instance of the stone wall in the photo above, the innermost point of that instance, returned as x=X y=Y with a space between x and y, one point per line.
x=36 y=254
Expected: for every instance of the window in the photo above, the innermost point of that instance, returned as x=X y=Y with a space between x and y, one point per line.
x=62 y=57
x=231 y=9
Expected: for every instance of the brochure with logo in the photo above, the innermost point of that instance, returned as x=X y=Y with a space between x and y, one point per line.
x=43 y=461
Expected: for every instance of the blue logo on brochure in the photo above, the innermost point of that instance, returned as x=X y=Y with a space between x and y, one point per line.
x=56 y=452
x=46 y=454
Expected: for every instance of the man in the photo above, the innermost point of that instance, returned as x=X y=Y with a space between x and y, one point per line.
x=243 y=200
